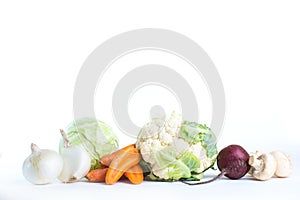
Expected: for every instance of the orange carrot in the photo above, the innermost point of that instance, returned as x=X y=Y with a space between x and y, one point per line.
x=106 y=160
x=123 y=160
x=97 y=175
x=135 y=174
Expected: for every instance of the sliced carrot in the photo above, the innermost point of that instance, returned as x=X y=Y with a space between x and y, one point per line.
x=106 y=160
x=97 y=175
x=135 y=174
x=123 y=160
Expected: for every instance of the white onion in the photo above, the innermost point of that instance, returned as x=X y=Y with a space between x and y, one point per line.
x=76 y=161
x=42 y=166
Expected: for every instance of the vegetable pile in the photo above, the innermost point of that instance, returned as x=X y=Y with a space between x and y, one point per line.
x=167 y=149
x=122 y=162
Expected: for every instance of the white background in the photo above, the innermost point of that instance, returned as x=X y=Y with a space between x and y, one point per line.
x=255 y=46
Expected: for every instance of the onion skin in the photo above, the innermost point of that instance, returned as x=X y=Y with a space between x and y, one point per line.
x=42 y=166
x=76 y=165
x=76 y=161
x=233 y=160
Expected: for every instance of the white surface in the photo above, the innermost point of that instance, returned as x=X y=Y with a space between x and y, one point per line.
x=254 y=45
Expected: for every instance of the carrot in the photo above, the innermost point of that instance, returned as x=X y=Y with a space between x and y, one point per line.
x=135 y=174
x=97 y=175
x=123 y=160
x=106 y=160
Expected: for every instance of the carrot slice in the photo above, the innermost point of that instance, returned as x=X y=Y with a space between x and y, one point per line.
x=97 y=175
x=135 y=174
x=106 y=160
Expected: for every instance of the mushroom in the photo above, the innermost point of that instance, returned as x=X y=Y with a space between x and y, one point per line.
x=263 y=166
x=255 y=155
x=284 y=165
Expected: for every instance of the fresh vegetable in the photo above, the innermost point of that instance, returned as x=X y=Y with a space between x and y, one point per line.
x=76 y=161
x=284 y=164
x=94 y=136
x=232 y=161
x=124 y=159
x=265 y=165
x=97 y=175
x=135 y=174
x=122 y=162
x=176 y=150
x=106 y=160
x=42 y=166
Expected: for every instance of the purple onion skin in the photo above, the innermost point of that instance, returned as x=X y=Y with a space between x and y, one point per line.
x=233 y=160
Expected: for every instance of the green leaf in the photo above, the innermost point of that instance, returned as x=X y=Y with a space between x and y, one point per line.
x=193 y=133
x=166 y=159
x=178 y=170
x=194 y=177
x=190 y=132
x=190 y=160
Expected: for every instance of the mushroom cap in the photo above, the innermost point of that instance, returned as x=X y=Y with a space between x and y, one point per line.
x=284 y=165
x=267 y=167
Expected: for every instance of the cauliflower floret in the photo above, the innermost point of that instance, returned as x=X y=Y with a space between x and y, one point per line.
x=180 y=146
x=146 y=152
x=201 y=153
x=165 y=138
x=160 y=172
x=162 y=130
x=198 y=150
x=148 y=147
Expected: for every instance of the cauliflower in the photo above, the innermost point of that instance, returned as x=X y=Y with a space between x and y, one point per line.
x=174 y=149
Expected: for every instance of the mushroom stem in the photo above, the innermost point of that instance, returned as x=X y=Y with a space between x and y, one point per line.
x=255 y=163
